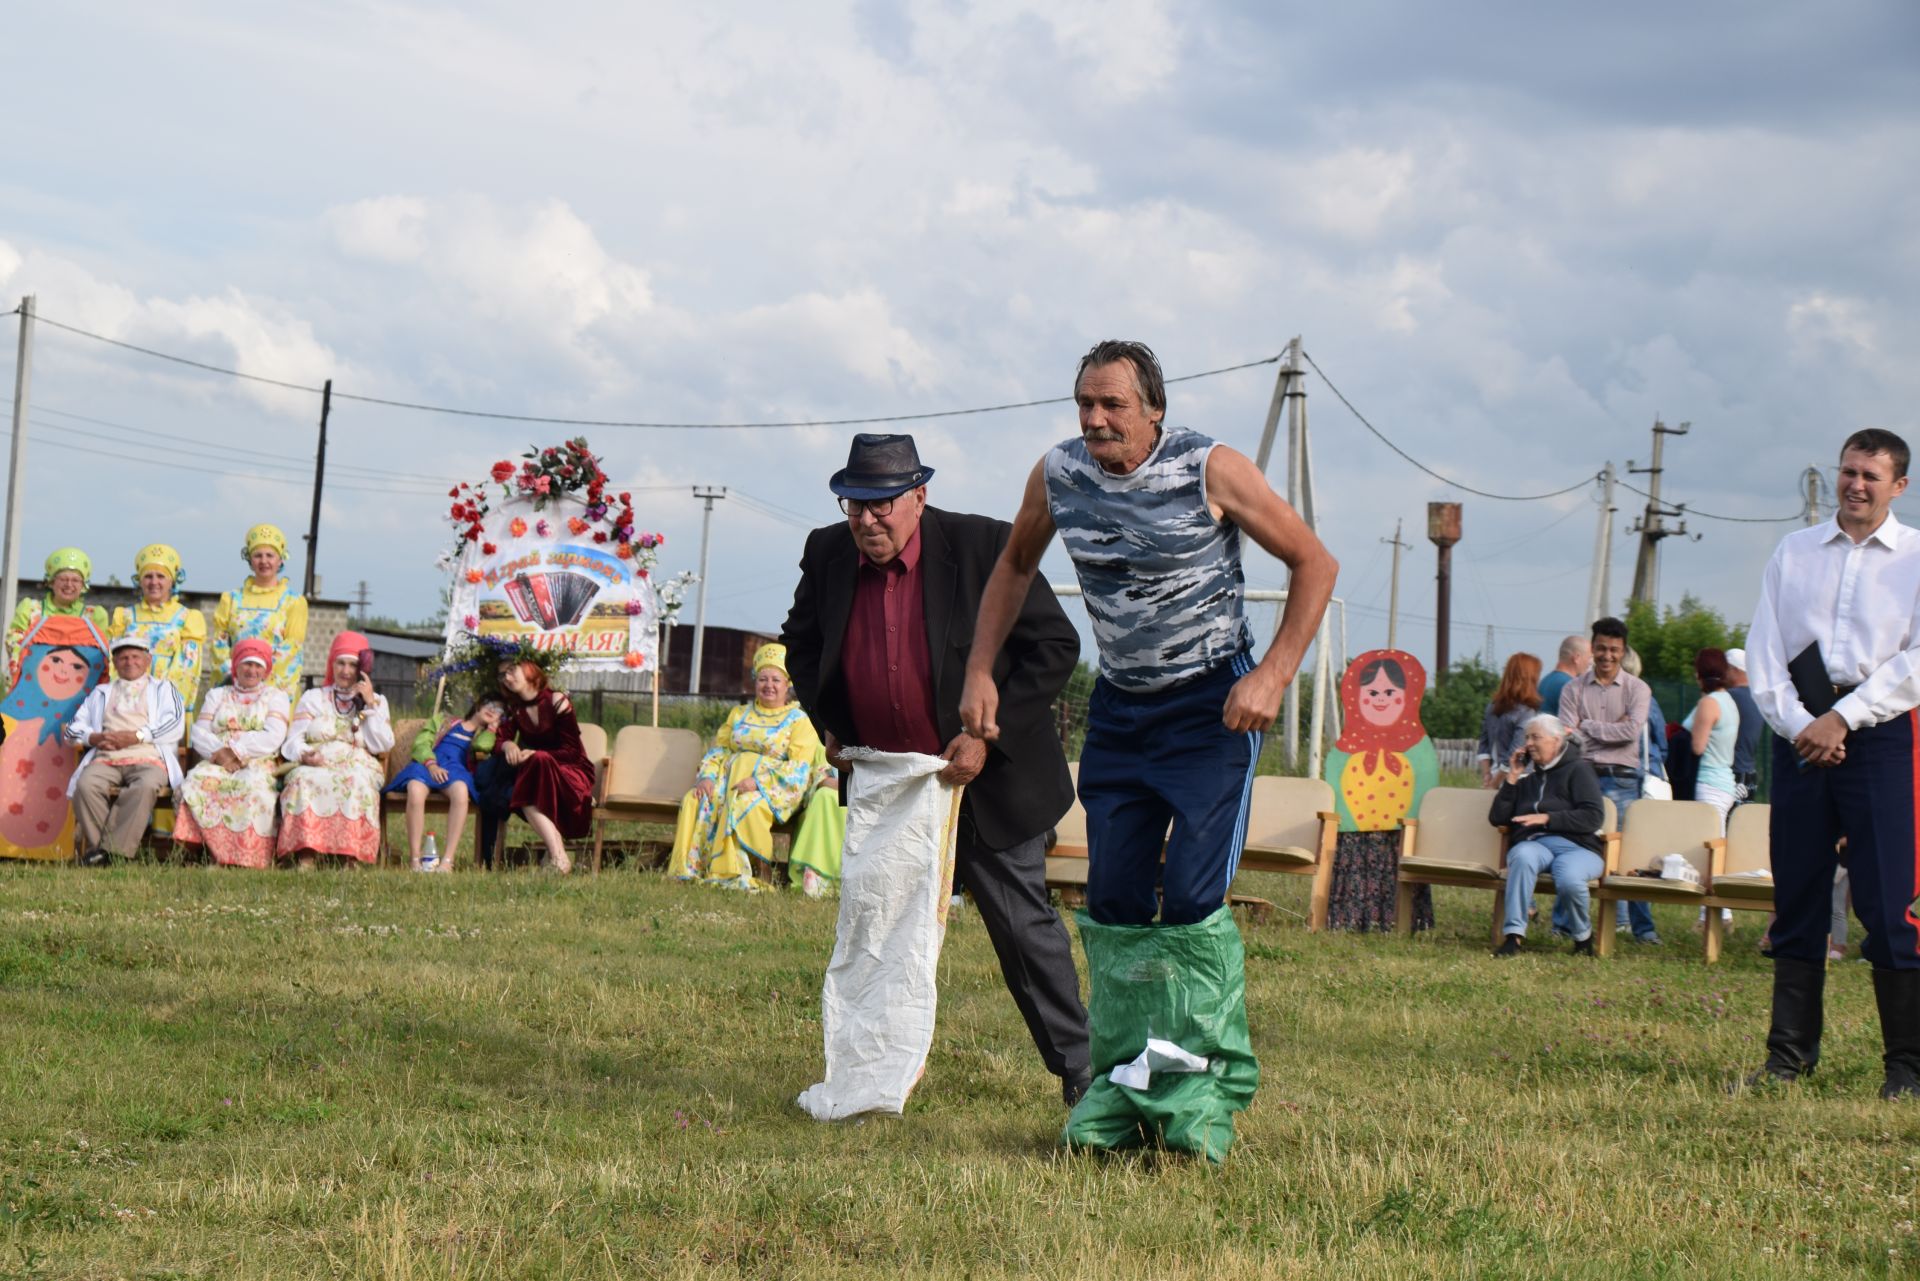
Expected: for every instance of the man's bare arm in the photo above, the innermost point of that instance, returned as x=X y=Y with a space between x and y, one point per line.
x=1000 y=603
x=1238 y=491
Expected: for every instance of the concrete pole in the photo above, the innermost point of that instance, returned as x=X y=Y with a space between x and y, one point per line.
x=1393 y=592
x=1600 y=586
x=1288 y=365
x=708 y=495
x=1812 y=481
x=16 y=466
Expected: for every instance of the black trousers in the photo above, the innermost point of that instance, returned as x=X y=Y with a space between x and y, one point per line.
x=1009 y=888
x=1871 y=800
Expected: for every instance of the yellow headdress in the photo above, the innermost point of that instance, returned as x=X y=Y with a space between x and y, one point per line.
x=773 y=654
x=264 y=536
x=157 y=556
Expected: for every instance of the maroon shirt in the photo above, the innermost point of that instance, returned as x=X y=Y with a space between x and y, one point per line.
x=884 y=657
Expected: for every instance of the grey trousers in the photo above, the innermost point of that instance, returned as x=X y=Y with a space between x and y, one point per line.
x=1009 y=888
x=115 y=825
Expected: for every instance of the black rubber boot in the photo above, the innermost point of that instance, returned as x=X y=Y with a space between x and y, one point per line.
x=1793 y=1041
x=1897 y=992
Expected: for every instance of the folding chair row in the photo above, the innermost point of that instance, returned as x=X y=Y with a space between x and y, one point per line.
x=1450 y=842
x=1291 y=827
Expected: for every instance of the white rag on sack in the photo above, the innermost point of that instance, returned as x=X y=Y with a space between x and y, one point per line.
x=896 y=876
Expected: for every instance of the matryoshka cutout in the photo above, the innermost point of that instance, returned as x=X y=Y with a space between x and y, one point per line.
x=1383 y=761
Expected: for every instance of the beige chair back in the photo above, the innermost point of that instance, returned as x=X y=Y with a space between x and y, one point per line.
x=1071 y=830
x=1611 y=823
x=1452 y=825
x=653 y=765
x=1656 y=829
x=1285 y=814
x=1747 y=841
x=593 y=740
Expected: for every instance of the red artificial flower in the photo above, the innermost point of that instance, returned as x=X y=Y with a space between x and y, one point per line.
x=627 y=499
x=474 y=575
x=599 y=535
x=488 y=549
x=576 y=526
x=624 y=551
x=502 y=470
x=454 y=492
x=456 y=511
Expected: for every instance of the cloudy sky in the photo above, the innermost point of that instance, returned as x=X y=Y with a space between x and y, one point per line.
x=1511 y=240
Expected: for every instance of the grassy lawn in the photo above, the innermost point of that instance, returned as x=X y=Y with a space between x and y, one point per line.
x=228 y=1074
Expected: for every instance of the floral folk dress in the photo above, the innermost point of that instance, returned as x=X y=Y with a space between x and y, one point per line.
x=178 y=638
x=334 y=807
x=278 y=616
x=232 y=813
x=724 y=836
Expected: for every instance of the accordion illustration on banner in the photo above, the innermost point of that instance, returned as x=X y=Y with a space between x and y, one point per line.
x=550 y=600
x=537 y=577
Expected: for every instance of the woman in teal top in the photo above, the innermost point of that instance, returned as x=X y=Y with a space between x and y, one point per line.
x=1714 y=724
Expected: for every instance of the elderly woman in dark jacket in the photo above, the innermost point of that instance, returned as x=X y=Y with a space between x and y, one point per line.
x=1550 y=799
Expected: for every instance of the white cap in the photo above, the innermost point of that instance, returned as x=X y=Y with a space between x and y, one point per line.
x=1737 y=658
x=132 y=640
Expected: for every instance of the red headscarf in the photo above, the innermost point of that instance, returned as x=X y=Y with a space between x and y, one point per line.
x=1360 y=735
x=347 y=645
x=252 y=647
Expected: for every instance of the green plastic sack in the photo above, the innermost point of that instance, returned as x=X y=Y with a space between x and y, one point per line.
x=1180 y=983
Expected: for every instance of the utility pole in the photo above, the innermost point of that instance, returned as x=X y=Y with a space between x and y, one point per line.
x=1600 y=586
x=1443 y=531
x=1653 y=526
x=707 y=494
x=319 y=481
x=17 y=463
x=361 y=599
x=1811 y=478
x=1282 y=384
x=1393 y=593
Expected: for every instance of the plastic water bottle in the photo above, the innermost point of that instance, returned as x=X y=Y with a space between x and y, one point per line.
x=429 y=855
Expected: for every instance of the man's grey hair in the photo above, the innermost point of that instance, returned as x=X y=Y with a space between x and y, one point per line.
x=1572 y=647
x=1548 y=724
x=1147 y=378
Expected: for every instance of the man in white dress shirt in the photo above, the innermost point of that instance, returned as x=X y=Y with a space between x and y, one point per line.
x=1850 y=586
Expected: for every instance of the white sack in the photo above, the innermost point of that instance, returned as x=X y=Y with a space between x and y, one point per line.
x=896 y=876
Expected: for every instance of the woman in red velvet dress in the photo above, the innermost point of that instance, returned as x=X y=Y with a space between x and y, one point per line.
x=553 y=779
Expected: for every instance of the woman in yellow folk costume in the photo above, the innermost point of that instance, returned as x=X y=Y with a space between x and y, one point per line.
x=69 y=570
x=756 y=774
x=1383 y=763
x=177 y=634
x=265 y=608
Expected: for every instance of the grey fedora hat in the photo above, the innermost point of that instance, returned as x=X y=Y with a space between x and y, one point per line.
x=879 y=467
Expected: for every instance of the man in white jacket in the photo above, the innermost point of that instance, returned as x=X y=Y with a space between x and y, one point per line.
x=131 y=728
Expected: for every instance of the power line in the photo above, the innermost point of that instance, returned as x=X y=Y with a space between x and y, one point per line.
x=1482 y=493
x=500 y=416
x=1691 y=510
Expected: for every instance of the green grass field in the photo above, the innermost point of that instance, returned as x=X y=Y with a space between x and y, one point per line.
x=370 y=1074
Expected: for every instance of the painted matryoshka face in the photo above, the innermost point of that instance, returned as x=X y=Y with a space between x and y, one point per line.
x=1381 y=701
x=68 y=586
x=61 y=675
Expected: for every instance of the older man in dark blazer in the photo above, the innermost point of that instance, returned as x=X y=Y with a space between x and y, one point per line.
x=877 y=645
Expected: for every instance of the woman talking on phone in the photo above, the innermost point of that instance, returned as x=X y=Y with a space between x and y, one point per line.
x=338 y=741
x=1550 y=798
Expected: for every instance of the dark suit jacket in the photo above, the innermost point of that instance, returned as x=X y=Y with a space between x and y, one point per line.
x=1024 y=787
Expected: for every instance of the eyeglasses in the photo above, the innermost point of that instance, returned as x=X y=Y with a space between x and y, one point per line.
x=852 y=507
